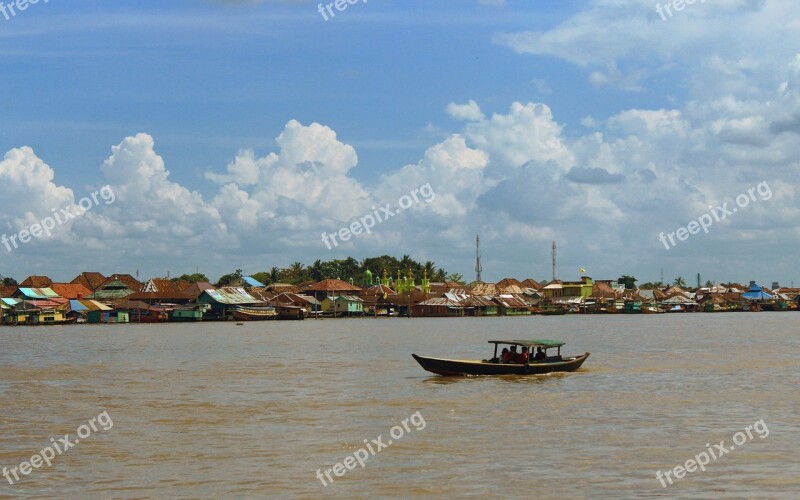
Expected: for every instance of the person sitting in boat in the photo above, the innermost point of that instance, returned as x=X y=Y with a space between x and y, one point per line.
x=505 y=357
x=522 y=358
x=540 y=355
x=512 y=356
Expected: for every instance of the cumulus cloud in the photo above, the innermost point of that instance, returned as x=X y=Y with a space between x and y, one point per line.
x=469 y=111
x=520 y=176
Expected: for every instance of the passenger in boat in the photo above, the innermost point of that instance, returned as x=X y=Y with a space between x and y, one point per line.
x=523 y=356
x=505 y=357
x=512 y=354
x=540 y=355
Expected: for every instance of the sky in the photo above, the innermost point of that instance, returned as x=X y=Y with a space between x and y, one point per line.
x=223 y=135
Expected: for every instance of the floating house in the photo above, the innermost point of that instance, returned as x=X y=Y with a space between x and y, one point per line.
x=222 y=301
x=343 y=305
x=508 y=305
x=307 y=303
x=108 y=316
x=477 y=305
x=37 y=312
x=437 y=307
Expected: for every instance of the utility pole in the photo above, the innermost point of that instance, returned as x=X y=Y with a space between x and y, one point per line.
x=554 y=261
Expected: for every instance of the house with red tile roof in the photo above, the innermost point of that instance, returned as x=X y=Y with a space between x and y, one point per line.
x=91 y=280
x=166 y=285
x=37 y=282
x=127 y=279
x=71 y=291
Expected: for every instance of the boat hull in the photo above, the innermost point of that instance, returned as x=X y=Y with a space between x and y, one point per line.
x=557 y=312
x=254 y=313
x=454 y=367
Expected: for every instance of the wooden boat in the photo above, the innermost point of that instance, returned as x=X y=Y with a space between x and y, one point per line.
x=241 y=313
x=650 y=309
x=549 y=364
x=551 y=309
x=553 y=312
x=149 y=316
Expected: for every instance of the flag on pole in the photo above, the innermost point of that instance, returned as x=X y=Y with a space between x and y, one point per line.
x=583 y=270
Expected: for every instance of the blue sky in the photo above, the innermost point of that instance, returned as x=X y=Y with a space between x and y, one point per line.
x=593 y=123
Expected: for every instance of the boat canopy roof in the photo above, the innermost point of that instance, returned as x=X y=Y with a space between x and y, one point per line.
x=530 y=343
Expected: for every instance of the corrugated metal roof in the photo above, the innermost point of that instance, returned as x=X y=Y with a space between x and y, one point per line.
x=230 y=295
x=252 y=281
x=38 y=293
x=478 y=301
x=440 y=301
x=350 y=298
x=76 y=305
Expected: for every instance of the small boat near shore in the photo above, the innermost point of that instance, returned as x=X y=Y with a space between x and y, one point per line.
x=548 y=364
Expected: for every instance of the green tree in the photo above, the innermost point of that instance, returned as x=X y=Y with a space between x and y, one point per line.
x=315 y=271
x=679 y=281
x=456 y=278
x=193 y=278
x=430 y=268
x=274 y=275
x=295 y=271
x=628 y=281
x=227 y=279
x=262 y=277
x=8 y=281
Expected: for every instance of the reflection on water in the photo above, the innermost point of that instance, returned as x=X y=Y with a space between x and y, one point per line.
x=253 y=411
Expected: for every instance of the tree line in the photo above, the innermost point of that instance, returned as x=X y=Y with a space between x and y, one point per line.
x=343 y=269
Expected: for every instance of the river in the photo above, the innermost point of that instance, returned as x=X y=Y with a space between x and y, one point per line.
x=254 y=411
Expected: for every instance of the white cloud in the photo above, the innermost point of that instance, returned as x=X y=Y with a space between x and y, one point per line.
x=470 y=111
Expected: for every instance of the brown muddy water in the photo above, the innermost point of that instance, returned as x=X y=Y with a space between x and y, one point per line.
x=217 y=410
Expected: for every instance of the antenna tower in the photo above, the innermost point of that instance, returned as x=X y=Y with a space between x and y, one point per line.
x=478 y=266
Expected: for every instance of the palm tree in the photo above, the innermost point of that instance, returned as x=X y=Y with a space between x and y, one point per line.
x=680 y=282
x=296 y=270
x=406 y=262
x=315 y=271
x=457 y=278
x=430 y=268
